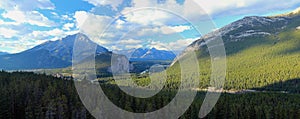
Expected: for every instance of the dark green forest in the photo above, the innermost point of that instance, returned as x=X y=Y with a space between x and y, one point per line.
x=30 y=96
x=36 y=96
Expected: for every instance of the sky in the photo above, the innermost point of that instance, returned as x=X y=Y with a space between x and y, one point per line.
x=124 y=24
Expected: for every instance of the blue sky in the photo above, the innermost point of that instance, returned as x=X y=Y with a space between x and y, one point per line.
x=123 y=24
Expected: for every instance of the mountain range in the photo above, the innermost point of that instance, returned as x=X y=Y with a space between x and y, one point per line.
x=58 y=54
x=147 y=54
x=254 y=34
x=51 y=54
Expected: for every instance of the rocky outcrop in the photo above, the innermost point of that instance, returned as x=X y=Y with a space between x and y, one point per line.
x=120 y=64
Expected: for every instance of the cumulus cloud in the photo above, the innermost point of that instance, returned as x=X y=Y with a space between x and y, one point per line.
x=33 y=39
x=8 y=33
x=20 y=40
x=92 y=25
x=174 y=29
x=26 y=5
x=15 y=46
x=80 y=17
x=42 y=35
x=119 y=24
x=4 y=23
x=90 y=22
x=164 y=30
x=66 y=17
x=129 y=41
x=147 y=17
x=181 y=44
x=16 y=30
x=113 y=3
x=216 y=8
x=152 y=12
x=30 y=17
x=26 y=11
x=158 y=45
x=213 y=8
x=133 y=46
x=176 y=45
x=68 y=26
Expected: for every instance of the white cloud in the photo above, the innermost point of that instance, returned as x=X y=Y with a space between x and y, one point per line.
x=26 y=5
x=53 y=34
x=92 y=25
x=174 y=29
x=30 y=17
x=181 y=44
x=108 y=35
x=119 y=24
x=166 y=30
x=8 y=33
x=158 y=45
x=115 y=48
x=145 y=12
x=242 y=7
x=7 y=23
x=33 y=39
x=62 y=35
x=149 y=31
x=147 y=17
x=55 y=15
x=215 y=6
x=26 y=11
x=43 y=35
x=66 y=17
x=80 y=17
x=129 y=41
x=133 y=46
x=177 y=45
x=194 y=9
x=113 y=3
x=15 y=41
x=68 y=26
x=15 y=46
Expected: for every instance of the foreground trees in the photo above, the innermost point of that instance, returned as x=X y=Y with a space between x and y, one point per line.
x=37 y=96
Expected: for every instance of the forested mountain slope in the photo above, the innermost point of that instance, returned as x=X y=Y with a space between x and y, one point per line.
x=260 y=51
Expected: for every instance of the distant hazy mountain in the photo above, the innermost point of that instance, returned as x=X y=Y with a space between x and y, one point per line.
x=3 y=53
x=51 y=54
x=143 y=54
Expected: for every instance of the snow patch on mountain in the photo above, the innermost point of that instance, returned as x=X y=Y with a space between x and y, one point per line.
x=296 y=11
x=251 y=33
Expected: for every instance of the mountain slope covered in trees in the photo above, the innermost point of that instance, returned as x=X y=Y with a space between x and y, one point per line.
x=260 y=51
